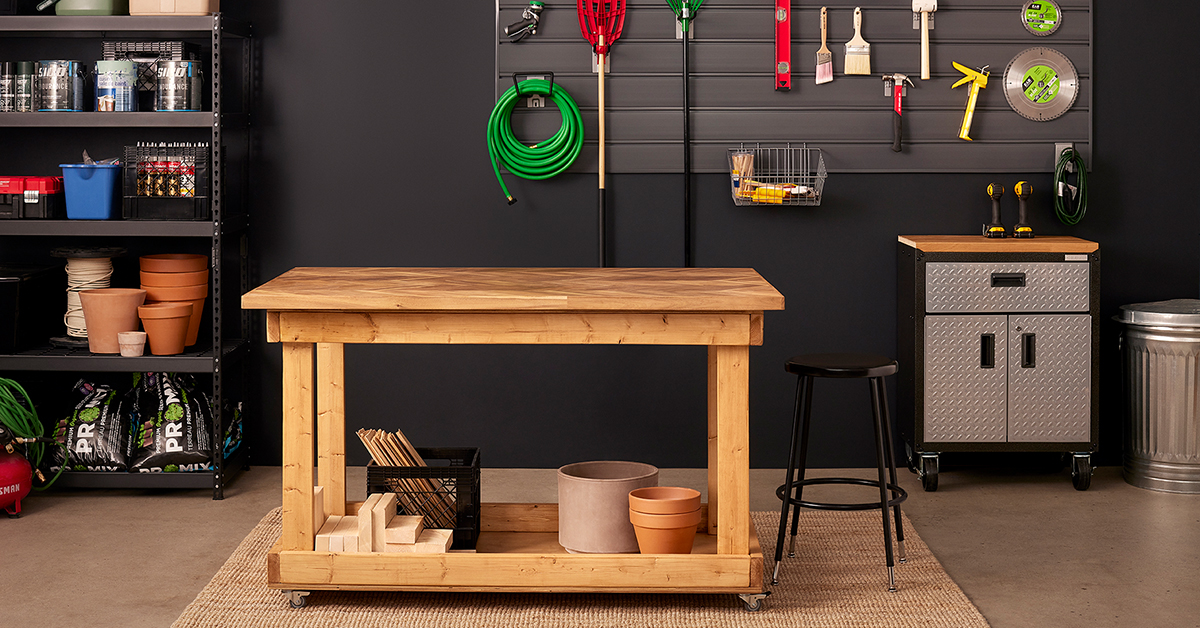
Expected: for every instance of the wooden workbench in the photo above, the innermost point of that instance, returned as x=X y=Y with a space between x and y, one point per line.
x=517 y=549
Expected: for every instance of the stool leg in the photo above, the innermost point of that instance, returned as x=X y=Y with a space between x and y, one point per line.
x=891 y=455
x=788 y=481
x=881 y=456
x=802 y=465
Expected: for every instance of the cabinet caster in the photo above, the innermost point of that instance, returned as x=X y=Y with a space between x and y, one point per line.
x=297 y=599
x=753 y=601
x=1081 y=471
x=911 y=458
x=929 y=472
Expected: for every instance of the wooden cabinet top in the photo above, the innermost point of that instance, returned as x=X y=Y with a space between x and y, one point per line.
x=980 y=244
x=517 y=289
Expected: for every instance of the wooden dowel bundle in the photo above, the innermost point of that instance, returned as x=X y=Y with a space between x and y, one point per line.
x=394 y=450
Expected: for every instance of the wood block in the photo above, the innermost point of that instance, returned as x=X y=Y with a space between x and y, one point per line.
x=319 y=513
x=347 y=533
x=432 y=541
x=404 y=529
x=381 y=515
x=325 y=534
x=365 y=529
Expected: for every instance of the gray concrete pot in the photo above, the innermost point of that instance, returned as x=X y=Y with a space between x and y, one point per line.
x=593 y=505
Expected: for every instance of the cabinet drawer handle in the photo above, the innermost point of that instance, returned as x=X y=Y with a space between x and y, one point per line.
x=1008 y=280
x=1028 y=351
x=987 y=351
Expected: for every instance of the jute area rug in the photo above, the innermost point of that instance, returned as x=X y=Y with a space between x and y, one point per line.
x=837 y=580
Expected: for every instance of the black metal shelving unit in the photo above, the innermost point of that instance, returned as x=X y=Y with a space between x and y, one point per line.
x=230 y=53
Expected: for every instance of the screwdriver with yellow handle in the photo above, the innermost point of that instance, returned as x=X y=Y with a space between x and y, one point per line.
x=978 y=80
x=1023 y=190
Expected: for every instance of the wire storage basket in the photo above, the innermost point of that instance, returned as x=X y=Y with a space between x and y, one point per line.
x=776 y=175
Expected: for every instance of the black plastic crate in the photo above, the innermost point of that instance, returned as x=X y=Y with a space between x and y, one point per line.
x=146 y=55
x=166 y=182
x=455 y=469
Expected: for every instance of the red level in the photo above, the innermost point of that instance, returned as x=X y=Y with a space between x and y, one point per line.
x=783 y=45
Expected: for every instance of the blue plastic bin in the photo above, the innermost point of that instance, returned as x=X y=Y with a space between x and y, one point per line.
x=91 y=190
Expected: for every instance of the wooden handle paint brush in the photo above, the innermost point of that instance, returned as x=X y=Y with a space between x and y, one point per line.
x=858 y=51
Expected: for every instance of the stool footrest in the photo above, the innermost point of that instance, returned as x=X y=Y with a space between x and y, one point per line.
x=899 y=494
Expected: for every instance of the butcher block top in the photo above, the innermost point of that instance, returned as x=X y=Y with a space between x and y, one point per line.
x=516 y=289
x=980 y=244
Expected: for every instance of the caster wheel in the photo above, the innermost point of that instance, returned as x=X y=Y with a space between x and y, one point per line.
x=297 y=599
x=912 y=459
x=754 y=607
x=753 y=601
x=1081 y=472
x=929 y=473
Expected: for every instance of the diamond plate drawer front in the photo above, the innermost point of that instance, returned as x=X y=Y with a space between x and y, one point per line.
x=991 y=287
x=964 y=401
x=1049 y=378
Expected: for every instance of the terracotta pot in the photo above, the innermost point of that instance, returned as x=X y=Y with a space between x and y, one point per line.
x=107 y=311
x=664 y=499
x=166 y=325
x=176 y=293
x=592 y=500
x=193 y=332
x=150 y=278
x=133 y=343
x=173 y=263
x=665 y=534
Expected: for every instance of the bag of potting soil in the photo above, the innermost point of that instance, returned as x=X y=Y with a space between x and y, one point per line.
x=172 y=426
x=96 y=434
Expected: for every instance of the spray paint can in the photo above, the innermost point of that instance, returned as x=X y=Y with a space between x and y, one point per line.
x=178 y=86
x=8 y=85
x=25 y=86
x=116 y=86
x=60 y=85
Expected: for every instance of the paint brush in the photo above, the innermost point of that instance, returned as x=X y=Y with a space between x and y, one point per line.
x=858 y=51
x=824 y=57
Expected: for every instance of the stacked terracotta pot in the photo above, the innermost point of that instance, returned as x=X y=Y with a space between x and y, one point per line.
x=664 y=518
x=176 y=286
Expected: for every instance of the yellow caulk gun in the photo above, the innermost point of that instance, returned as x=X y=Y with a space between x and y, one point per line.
x=978 y=80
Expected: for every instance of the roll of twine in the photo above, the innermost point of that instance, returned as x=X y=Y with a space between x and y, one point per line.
x=83 y=274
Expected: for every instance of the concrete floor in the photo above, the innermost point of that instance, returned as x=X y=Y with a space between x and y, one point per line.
x=1029 y=550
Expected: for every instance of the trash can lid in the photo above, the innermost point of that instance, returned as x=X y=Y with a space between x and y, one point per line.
x=1172 y=313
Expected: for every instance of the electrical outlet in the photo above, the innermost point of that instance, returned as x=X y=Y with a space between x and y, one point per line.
x=1059 y=147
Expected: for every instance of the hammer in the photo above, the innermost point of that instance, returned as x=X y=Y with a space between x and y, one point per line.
x=893 y=85
x=924 y=7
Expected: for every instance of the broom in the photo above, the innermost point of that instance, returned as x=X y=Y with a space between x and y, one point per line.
x=685 y=11
x=600 y=21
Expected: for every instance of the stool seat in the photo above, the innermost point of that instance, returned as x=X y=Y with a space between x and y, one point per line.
x=841 y=365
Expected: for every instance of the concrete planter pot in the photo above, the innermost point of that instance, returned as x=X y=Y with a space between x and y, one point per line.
x=593 y=502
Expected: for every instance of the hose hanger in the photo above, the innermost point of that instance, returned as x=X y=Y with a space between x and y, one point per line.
x=543 y=159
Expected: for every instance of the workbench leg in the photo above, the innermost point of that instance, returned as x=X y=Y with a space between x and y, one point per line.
x=712 y=440
x=732 y=445
x=331 y=426
x=297 y=447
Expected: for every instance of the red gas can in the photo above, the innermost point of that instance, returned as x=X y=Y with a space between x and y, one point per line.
x=15 y=478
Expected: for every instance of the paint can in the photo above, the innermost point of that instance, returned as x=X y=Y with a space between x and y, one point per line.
x=24 y=86
x=8 y=86
x=60 y=85
x=178 y=86
x=116 y=86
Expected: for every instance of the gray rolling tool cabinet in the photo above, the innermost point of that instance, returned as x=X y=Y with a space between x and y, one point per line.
x=998 y=342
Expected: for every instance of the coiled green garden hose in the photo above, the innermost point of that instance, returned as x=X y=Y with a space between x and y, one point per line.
x=544 y=159
x=1070 y=213
x=21 y=419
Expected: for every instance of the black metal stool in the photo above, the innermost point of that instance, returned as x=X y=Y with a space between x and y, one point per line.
x=841 y=365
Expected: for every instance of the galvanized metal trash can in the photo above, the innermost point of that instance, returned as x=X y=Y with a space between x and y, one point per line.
x=1161 y=357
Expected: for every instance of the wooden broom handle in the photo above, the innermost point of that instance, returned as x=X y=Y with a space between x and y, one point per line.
x=924 y=45
x=600 y=92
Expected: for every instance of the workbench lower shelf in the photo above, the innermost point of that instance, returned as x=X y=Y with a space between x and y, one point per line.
x=522 y=560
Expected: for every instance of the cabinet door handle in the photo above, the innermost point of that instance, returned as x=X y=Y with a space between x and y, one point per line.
x=1008 y=280
x=1028 y=351
x=987 y=351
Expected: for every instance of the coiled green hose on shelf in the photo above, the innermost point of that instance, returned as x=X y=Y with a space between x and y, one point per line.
x=19 y=416
x=544 y=159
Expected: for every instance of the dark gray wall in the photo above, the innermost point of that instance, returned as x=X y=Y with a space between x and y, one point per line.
x=372 y=152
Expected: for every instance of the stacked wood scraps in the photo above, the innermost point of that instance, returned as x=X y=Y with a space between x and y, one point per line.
x=427 y=497
x=377 y=528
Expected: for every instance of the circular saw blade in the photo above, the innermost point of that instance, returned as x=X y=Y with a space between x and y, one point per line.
x=1041 y=83
x=1041 y=17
